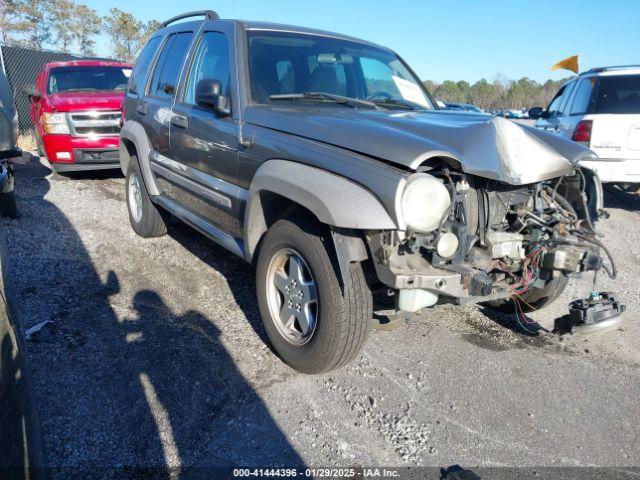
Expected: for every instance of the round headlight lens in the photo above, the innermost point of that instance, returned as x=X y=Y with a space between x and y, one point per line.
x=424 y=201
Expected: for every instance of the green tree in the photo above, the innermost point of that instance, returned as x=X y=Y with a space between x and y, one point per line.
x=448 y=91
x=12 y=20
x=86 y=29
x=128 y=34
x=482 y=94
x=464 y=90
x=149 y=28
x=501 y=93
x=34 y=23
x=62 y=16
x=125 y=32
x=431 y=86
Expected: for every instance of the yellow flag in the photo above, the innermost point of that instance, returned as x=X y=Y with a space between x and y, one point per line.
x=570 y=63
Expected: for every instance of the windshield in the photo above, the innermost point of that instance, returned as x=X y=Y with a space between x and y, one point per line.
x=282 y=64
x=68 y=79
x=618 y=94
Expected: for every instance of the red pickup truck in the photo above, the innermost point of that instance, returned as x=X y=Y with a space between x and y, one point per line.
x=76 y=108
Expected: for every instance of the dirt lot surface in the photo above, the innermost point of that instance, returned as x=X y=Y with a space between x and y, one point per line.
x=155 y=356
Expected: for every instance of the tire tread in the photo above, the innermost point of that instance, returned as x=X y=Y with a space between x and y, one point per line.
x=350 y=327
x=152 y=224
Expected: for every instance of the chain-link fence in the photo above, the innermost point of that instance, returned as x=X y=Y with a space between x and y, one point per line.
x=21 y=65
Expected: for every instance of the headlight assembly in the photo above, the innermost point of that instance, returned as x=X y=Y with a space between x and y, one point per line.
x=55 y=123
x=425 y=200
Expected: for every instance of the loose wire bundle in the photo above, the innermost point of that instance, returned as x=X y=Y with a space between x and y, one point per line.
x=530 y=271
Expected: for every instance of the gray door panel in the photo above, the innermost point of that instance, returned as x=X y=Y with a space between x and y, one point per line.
x=204 y=147
x=208 y=143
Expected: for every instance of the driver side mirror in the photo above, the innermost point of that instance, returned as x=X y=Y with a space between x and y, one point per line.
x=536 y=113
x=208 y=95
x=31 y=92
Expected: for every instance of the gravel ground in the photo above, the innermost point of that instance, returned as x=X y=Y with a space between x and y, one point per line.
x=155 y=357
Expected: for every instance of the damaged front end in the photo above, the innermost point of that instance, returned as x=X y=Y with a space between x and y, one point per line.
x=483 y=240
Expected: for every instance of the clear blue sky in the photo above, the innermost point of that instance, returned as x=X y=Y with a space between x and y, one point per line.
x=455 y=39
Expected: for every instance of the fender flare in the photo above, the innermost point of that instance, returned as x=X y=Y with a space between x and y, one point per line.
x=134 y=132
x=333 y=199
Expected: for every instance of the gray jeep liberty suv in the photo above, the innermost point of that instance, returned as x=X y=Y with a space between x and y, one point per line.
x=323 y=160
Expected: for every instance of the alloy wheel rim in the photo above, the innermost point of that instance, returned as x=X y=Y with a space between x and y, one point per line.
x=292 y=296
x=135 y=198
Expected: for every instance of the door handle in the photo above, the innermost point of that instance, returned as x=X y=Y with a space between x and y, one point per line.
x=141 y=108
x=168 y=88
x=180 y=121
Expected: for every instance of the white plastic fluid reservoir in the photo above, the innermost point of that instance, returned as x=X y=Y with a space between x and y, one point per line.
x=416 y=299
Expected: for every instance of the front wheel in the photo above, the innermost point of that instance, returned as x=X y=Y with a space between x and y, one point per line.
x=314 y=324
x=535 y=298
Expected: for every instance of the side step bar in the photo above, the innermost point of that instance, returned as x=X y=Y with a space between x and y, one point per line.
x=225 y=240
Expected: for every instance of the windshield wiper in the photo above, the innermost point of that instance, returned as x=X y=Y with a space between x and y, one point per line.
x=396 y=102
x=350 y=101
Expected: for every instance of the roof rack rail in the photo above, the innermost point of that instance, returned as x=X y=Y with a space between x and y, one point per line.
x=208 y=14
x=615 y=67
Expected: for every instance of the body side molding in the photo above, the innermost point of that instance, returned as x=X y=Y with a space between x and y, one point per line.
x=223 y=239
x=211 y=183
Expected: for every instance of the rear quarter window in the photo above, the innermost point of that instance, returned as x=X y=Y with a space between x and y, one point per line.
x=618 y=94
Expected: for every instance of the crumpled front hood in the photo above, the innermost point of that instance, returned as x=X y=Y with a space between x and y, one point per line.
x=75 y=101
x=490 y=147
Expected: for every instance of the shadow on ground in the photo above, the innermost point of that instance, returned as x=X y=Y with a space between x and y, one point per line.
x=616 y=198
x=120 y=395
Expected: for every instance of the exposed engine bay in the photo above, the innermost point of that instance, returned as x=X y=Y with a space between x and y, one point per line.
x=497 y=242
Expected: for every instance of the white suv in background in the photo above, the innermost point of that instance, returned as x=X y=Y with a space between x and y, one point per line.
x=600 y=109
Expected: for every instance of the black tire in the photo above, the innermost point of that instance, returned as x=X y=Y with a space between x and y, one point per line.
x=535 y=298
x=148 y=223
x=342 y=319
x=8 y=205
x=40 y=144
x=629 y=187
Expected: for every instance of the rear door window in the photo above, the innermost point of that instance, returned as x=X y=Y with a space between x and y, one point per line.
x=140 y=73
x=582 y=100
x=165 y=77
x=618 y=94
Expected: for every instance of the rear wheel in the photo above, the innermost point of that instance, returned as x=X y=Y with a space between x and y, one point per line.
x=313 y=324
x=144 y=216
x=41 y=152
x=8 y=205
